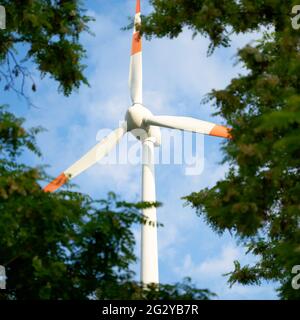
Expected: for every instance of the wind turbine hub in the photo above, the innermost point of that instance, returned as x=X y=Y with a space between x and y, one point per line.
x=135 y=117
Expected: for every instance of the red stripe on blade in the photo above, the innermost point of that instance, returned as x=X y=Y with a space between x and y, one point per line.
x=56 y=183
x=136 y=43
x=138 y=6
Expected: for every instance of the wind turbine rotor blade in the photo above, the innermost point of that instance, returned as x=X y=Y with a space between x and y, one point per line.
x=99 y=151
x=189 y=124
x=135 y=69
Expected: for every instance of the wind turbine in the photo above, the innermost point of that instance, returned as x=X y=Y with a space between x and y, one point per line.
x=146 y=127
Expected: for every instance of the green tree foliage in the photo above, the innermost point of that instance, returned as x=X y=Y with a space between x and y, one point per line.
x=62 y=245
x=259 y=200
x=49 y=32
x=132 y=290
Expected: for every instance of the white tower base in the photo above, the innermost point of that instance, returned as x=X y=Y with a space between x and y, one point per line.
x=149 y=255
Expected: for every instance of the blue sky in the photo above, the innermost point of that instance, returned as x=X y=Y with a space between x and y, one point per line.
x=177 y=75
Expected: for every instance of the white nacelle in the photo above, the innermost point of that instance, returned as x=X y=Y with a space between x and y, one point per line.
x=134 y=118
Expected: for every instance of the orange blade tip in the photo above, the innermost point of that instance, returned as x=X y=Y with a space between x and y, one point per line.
x=220 y=131
x=56 y=183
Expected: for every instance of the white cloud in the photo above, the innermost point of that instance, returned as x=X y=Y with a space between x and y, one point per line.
x=212 y=267
x=211 y=273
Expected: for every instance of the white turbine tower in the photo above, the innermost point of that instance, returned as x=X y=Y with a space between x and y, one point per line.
x=145 y=126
